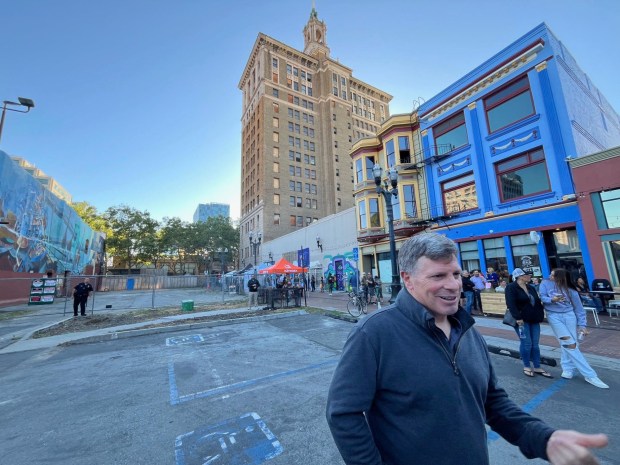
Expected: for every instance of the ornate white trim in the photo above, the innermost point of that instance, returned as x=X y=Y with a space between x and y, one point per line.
x=519 y=62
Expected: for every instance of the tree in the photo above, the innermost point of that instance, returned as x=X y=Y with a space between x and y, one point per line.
x=133 y=234
x=218 y=233
x=92 y=217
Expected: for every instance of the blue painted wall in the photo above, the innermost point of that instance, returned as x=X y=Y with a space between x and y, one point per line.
x=44 y=232
x=571 y=119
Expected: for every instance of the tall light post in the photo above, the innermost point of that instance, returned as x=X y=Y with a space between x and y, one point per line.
x=255 y=241
x=22 y=102
x=387 y=194
x=223 y=252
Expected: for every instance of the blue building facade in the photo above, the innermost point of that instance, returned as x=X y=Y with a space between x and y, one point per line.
x=209 y=210
x=495 y=151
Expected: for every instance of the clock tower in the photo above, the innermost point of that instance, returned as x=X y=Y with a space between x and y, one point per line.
x=315 y=37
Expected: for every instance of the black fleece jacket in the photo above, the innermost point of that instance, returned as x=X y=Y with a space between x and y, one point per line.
x=400 y=396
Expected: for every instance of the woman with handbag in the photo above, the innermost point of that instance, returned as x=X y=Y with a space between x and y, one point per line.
x=567 y=318
x=525 y=306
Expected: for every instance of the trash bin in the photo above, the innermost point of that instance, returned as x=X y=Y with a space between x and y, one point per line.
x=130 y=284
x=187 y=305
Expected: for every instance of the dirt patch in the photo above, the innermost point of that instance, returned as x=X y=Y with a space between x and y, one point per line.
x=108 y=320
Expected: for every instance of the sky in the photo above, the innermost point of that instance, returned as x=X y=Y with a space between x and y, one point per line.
x=137 y=100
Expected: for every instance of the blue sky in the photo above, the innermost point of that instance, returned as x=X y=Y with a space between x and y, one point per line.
x=137 y=100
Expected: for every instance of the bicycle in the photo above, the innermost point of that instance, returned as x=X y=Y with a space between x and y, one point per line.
x=356 y=304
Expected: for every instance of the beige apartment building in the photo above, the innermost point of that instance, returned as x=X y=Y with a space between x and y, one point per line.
x=302 y=112
x=47 y=181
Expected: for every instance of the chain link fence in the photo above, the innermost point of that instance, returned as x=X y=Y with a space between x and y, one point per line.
x=118 y=292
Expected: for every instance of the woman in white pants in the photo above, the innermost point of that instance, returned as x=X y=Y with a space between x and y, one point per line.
x=567 y=318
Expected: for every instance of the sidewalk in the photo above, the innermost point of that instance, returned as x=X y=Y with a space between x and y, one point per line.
x=602 y=345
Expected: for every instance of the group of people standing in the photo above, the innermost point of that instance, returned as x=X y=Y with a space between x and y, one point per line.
x=566 y=316
x=371 y=288
x=473 y=285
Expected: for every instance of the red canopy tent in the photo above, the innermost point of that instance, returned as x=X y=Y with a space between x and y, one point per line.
x=282 y=266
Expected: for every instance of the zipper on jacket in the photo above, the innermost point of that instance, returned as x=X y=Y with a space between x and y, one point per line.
x=451 y=359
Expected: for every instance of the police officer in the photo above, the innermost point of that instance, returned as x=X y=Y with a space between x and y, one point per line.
x=80 y=296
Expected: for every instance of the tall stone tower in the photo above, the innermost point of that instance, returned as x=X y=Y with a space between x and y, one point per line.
x=301 y=113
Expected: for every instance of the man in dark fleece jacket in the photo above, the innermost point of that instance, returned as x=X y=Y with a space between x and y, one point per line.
x=415 y=384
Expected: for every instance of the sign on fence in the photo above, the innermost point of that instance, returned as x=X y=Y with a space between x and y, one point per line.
x=42 y=291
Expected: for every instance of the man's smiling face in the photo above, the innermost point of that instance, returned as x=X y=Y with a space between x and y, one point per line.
x=436 y=285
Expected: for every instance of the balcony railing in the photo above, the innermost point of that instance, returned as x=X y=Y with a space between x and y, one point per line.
x=432 y=154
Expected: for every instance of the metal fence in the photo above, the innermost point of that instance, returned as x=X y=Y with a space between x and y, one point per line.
x=114 y=292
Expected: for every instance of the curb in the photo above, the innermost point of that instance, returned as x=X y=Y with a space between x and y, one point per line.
x=515 y=354
x=173 y=328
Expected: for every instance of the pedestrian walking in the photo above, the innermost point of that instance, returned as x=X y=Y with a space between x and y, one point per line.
x=479 y=286
x=330 y=283
x=81 y=292
x=567 y=318
x=378 y=289
x=468 y=291
x=525 y=306
x=312 y=284
x=415 y=382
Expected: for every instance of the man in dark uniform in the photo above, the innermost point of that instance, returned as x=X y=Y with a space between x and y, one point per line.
x=80 y=296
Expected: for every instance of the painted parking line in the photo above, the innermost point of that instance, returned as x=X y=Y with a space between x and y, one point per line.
x=176 y=399
x=183 y=340
x=534 y=403
x=241 y=440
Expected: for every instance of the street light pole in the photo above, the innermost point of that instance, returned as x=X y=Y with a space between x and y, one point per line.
x=387 y=194
x=255 y=243
x=23 y=102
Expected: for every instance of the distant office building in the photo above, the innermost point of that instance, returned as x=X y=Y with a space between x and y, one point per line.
x=302 y=111
x=209 y=210
x=47 y=181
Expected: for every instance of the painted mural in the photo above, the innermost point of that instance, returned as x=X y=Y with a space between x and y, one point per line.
x=41 y=232
x=343 y=268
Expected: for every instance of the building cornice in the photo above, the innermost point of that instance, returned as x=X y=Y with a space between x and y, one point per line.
x=516 y=61
x=264 y=41
x=595 y=157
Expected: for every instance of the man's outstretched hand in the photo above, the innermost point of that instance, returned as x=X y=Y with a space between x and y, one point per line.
x=566 y=447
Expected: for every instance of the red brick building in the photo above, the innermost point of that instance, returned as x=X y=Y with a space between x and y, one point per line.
x=597 y=186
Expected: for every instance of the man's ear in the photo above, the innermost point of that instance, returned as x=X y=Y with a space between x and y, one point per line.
x=407 y=279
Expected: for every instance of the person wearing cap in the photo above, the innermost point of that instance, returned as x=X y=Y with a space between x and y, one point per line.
x=526 y=307
x=567 y=318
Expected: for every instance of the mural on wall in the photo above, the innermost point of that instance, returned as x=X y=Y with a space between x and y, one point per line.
x=41 y=232
x=343 y=267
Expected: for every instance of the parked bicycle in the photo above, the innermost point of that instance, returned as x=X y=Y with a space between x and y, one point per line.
x=357 y=304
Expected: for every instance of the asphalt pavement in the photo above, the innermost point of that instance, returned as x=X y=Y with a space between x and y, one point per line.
x=602 y=344
x=245 y=393
x=240 y=391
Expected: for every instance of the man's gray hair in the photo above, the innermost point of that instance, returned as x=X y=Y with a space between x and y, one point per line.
x=433 y=246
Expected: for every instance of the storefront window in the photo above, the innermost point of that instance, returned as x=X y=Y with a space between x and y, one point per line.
x=611 y=207
x=525 y=254
x=614 y=247
x=567 y=253
x=470 y=259
x=495 y=253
